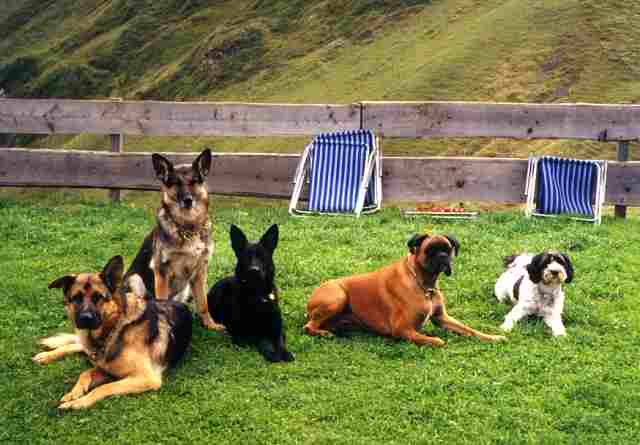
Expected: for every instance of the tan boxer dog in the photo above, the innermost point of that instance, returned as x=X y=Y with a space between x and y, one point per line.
x=394 y=300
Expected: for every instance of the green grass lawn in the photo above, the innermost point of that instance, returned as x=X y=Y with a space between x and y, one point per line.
x=358 y=388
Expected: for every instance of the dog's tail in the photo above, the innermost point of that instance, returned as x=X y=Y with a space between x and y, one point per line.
x=59 y=340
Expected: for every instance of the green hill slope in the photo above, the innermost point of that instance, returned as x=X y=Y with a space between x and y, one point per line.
x=326 y=52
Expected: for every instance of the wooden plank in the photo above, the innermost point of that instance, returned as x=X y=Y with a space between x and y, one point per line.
x=623 y=183
x=453 y=179
x=502 y=120
x=232 y=174
x=390 y=119
x=270 y=175
x=62 y=116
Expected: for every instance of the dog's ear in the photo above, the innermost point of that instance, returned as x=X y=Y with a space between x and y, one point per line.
x=270 y=238
x=63 y=282
x=238 y=239
x=455 y=244
x=567 y=266
x=112 y=273
x=162 y=166
x=202 y=164
x=414 y=242
x=534 y=268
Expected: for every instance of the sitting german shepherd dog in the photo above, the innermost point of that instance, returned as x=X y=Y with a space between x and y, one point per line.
x=247 y=303
x=174 y=258
x=127 y=338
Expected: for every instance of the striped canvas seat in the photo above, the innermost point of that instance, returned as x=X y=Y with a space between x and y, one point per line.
x=342 y=169
x=566 y=186
x=337 y=166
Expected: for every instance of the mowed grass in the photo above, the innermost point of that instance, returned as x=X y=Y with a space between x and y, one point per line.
x=358 y=388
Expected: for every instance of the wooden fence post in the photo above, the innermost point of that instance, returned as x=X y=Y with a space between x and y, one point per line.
x=117 y=143
x=623 y=156
x=116 y=147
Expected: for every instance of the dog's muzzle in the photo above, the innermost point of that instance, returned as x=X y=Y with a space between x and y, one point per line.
x=256 y=273
x=88 y=320
x=554 y=275
x=187 y=202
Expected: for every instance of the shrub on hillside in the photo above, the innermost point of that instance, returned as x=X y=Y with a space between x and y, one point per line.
x=72 y=81
x=16 y=74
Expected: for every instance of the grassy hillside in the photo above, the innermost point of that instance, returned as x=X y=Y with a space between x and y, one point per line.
x=325 y=51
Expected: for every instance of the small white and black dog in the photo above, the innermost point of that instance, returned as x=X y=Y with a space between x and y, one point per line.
x=534 y=285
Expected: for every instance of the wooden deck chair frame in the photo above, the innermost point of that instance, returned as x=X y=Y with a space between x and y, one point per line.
x=531 y=189
x=372 y=172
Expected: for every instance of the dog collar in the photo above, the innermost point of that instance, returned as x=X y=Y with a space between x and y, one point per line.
x=429 y=292
x=187 y=235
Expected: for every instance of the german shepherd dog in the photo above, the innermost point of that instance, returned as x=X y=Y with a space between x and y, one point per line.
x=129 y=340
x=247 y=303
x=174 y=258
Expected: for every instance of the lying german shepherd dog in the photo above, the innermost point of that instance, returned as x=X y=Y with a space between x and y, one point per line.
x=173 y=259
x=129 y=340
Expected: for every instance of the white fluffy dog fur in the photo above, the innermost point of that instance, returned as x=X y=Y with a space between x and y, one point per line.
x=534 y=285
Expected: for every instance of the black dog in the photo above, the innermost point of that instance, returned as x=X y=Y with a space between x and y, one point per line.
x=247 y=303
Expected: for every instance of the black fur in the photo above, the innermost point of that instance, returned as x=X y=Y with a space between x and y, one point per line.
x=542 y=260
x=163 y=168
x=439 y=258
x=247 y=303
x=140 y=266
x=180 y=332
x=112 y=273
x=64 y=282
x=179 y=319
x=536 y=267
x=202 y=165
x=564 y=259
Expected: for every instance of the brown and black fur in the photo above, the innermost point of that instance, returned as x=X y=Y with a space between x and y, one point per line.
x=174 y=258
x=395 y=300
x=130 y=341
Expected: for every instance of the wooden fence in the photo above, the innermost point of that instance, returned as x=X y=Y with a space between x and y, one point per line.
x=270 y=175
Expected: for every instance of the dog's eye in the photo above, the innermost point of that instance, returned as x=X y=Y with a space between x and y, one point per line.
x=77 y=298
x=96 y=297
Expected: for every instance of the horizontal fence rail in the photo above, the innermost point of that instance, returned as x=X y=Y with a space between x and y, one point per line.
x=270 y=175
x=389 y=119
x=502 y=120
x=63 y=116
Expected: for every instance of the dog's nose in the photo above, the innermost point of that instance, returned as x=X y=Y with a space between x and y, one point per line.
x=188 y=202
x=555 y=273
x=86 y=320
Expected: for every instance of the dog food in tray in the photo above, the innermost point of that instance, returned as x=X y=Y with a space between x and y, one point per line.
x=440 y=212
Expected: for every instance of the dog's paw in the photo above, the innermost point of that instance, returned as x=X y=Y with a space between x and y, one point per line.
x=560 y=334
x=42 y=358
x=438 y=342
x=506 y=327
x=317 y=332
x=497 y=338
x=208 y=323
x=74 y=394
x=81 y=403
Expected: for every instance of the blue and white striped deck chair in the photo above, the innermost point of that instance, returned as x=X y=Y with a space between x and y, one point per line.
x=566 y=186
x=343 y=172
